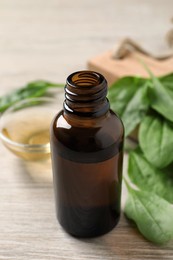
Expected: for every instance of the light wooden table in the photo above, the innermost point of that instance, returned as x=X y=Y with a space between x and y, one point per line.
x=49 y=39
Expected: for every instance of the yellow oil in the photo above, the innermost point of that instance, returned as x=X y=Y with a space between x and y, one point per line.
x=29 y=127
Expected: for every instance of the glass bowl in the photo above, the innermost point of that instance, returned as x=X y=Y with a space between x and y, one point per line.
x=24 y=127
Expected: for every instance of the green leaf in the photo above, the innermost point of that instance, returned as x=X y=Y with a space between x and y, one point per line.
x=156 y=140
x=167 y=81
x=147 y=177
x=43 y=84
x=121 y=92
x=18 y=95
x=32 y=89
x=136 y=109
x=152 y=215
x=161 y=98
x=128 y=98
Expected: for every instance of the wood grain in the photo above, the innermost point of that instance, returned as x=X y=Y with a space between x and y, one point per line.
x=50 y=39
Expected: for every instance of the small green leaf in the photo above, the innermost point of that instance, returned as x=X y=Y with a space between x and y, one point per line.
x=20 y=94
x=156 y=140
x=136 y=109
x=128 y=98
x=43 y=84
x=32 y=89
x=146 y=176
x=152 y=215
x=121 y=92
x=161 y=99
x=167 y=81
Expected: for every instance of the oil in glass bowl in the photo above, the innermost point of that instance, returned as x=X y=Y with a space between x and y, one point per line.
x=24 y=127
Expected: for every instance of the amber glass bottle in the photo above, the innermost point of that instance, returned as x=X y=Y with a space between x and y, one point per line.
x=87 y=152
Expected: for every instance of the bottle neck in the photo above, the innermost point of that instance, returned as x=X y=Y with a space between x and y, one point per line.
x=85 y=94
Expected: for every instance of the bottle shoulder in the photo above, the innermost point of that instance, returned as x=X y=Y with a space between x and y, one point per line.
x=88 y=135
x=110 y=119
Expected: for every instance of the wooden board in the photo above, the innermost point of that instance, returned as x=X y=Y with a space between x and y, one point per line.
x=113 y=69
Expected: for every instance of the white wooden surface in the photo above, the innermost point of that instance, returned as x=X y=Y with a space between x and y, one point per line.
x=48 y=39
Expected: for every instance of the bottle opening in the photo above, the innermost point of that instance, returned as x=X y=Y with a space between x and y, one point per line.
x=85 y=78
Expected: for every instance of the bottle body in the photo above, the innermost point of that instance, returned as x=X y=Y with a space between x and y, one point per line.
x=87 y=154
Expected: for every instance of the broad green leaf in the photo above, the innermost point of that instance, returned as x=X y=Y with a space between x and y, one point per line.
x=121 y=92
x=144 y=175
x=156 y=140
x=161 y=99
x=135 y=110
x=152 y=215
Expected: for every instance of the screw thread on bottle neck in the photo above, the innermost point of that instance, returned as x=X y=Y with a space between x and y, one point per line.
x=85 y=94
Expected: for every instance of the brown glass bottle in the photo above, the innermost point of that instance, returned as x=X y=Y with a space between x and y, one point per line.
x=87 y=152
